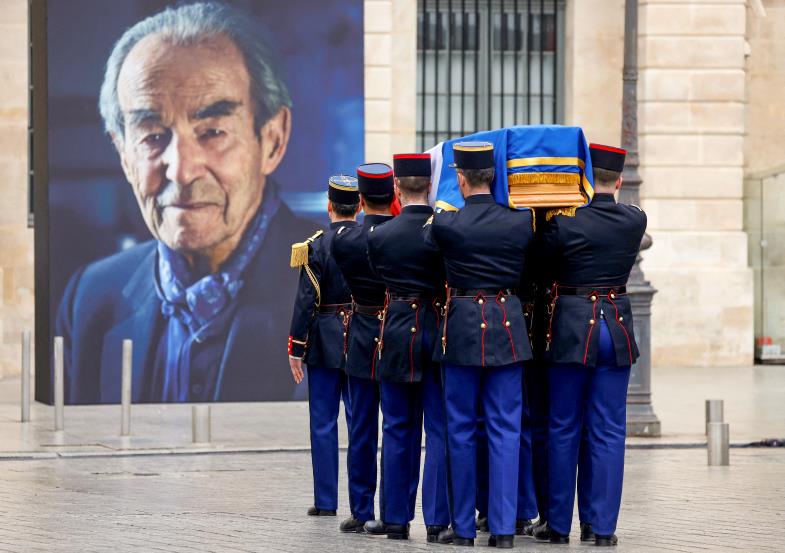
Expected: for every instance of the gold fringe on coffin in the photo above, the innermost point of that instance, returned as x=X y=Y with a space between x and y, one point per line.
x=566 y=211
x=544 y=178
x=545 y=190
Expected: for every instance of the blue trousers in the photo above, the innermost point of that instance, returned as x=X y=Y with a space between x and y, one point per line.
x=326 y=386
x=498 y=389
x=363 y=444
x=435 y=499
x=594 y=399
x=402 y=408
x=536 y=385
x=584 y=480
x=527 y=498
x=482 y=464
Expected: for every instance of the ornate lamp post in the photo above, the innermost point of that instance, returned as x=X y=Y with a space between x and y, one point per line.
x=641 y=420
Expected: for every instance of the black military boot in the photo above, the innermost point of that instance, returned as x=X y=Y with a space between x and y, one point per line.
x=605 y=541
x=351 y=524
x=314 y=512
x=448 y=537
x=559 y=539
x=392 y=531
x=397 y=531
x=433 y=532
x=523 y=527
x=587 y=533
x=542 y=532
x=533 y=528
x=501 y=541
x=482 y=522
x=375 y=527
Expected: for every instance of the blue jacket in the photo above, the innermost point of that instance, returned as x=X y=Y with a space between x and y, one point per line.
x=484 y=247
x=350 y=251
x=413 y=271
x=320 y=316
x=592 y=252
x=115 y=299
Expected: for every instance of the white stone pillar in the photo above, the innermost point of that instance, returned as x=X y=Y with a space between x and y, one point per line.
x=692 y=127
x=390 y=78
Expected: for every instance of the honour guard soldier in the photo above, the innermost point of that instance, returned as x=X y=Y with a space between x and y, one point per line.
x=591 y=347
x=484 y=342
x=534 y=427
x=410 y=381
x=321 y=311
x=350 y=250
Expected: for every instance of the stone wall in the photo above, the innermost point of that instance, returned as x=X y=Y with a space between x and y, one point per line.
x=764 y=147
x=594 y=40
x=16 y=249
x=692 y=128
x=390 y=78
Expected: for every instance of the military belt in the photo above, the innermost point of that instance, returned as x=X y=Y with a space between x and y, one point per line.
x=335 y=308
x=487 y=292
x=367 y=309
x=421 y=297
x=589 y=290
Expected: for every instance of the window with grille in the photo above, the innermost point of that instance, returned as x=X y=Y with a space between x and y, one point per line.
x=487 y=64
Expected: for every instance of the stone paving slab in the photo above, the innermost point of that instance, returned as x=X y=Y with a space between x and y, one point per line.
x=753 y=406
x=257 y=502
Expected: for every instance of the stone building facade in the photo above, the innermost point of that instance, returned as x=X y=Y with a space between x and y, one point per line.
x=711 y=110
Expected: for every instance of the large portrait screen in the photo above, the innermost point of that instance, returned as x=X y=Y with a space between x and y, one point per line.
x=189 y=145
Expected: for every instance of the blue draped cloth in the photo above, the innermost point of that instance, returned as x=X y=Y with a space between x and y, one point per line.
x=198 y=308
x=519 y=149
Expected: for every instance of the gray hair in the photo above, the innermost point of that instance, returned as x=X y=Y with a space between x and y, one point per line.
x=191 y=24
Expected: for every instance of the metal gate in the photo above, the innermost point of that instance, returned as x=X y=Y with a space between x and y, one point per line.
x=487 y=64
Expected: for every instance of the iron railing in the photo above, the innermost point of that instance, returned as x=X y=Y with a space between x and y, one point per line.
x=487 y=64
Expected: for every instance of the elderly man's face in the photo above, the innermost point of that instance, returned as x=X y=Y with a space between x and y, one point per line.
x=190 y=151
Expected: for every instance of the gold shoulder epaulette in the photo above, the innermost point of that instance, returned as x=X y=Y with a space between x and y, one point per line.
x=566 y=211
x=300 y=251
x=429 y=221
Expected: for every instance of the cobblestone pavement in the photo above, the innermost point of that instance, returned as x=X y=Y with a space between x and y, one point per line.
x=257 y=502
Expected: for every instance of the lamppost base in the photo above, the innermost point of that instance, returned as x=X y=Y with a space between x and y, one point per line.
x=641 y=419
x=642 y=422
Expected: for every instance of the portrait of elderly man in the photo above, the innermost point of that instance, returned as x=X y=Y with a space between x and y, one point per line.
x=200 y=117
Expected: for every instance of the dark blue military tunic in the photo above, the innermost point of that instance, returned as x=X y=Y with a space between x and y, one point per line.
x=322 y=305
x=413 y=271
x=589 y=258
x=350 y=251
x=484 y=246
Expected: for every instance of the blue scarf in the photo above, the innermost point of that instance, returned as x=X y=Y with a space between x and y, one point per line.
x=199 y=310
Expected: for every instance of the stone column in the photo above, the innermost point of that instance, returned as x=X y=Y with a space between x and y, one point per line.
x=390 y=78
x=691 y=123
x=16 y=252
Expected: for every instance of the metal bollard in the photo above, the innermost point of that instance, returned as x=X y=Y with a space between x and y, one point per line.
x=59 y=385
x=25 y=376
x=718 y=444
x=200 y=422
x=125 y=389
x=714 y=412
